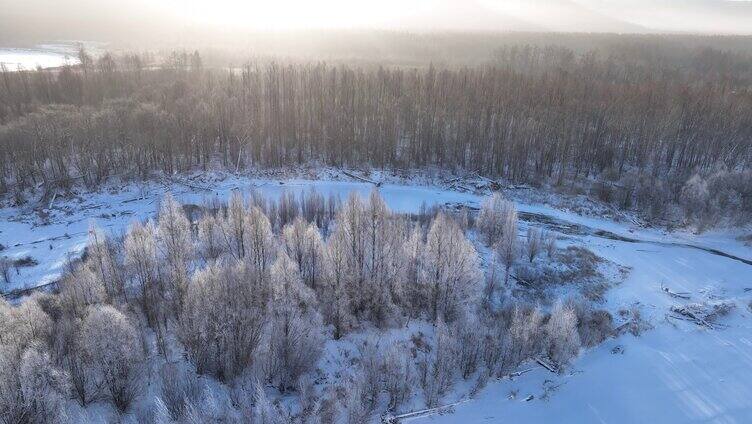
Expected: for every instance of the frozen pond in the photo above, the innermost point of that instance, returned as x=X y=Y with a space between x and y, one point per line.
x=28 y=59
x=44 y=56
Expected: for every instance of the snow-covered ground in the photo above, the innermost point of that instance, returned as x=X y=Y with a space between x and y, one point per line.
x=50 y=55
x=676 y=372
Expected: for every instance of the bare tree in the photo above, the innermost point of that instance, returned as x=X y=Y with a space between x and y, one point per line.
x=436 y=367
x=506 y=248
x=549 y=242
x=5 y=266
x=534 y=242
x=399 y=375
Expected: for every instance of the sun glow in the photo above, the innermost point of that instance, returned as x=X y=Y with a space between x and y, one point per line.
x=297 y=14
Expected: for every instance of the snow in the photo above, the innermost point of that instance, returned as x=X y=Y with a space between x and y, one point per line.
x=29 y=59
x=676 y=372
x=50 y=55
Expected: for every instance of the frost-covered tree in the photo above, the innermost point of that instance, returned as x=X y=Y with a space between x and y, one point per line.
x=294 y=342
x=496 y=341
x=369 y=371
x=288 y=208
x=260 y=246
x=534 y=243
x=563 y=340
x=351 y=231
x=176 y=248
x=233 y=228
x=357 y=409
x=506 y=247
x=384 y=263
x=549 y=243
x=44 y=388
x=398 y=375
x=451 y=269
x=210 y=245
x=101 y=258
x=335 y=297
x=369 y=242
x=23 y=325
x=314 y=209
x=142 y=264
x=114 y=354
x=180 y=388
x=264 y=411
x=79 y=290
x=469 y=344
x=437 y=366
x=287 y=284
x=5 y=266
x=22 y=329
x=305 y=246
x=526 y=334
x=493 y=280
x=493 y=216
x=223 y=319
x=413 y=255
x=295 y=345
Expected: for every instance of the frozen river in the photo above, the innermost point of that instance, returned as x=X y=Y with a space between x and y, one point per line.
x=41 y=56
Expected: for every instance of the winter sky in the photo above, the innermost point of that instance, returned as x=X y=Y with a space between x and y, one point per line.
x=626 y=16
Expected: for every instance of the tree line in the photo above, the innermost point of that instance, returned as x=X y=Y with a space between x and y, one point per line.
x=531 y=114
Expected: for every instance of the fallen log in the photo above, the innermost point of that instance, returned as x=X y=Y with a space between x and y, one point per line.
x=395 y=419
x=688 y=315
x=677 y=295
x=547 y=365
x=519 y=373
x=18 y=293
x=52 y=202
x=193 y=186
x=520 y=280
x=358 y=177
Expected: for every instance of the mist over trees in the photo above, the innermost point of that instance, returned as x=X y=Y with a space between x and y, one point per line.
x=640 y=127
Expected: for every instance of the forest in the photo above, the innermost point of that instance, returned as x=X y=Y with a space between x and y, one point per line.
x=214 y=318
x=262 y=304
x=645 y=123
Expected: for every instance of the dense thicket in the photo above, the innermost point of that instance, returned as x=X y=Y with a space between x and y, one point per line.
x=531 y=114
x=199 y=322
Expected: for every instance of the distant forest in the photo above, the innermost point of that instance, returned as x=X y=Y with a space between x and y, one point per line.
x=644 y=123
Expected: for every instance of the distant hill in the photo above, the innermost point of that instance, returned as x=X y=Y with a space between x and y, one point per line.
x=155 y=21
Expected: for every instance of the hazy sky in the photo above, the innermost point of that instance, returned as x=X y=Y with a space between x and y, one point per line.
x=87 y=18
x=723 y=16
